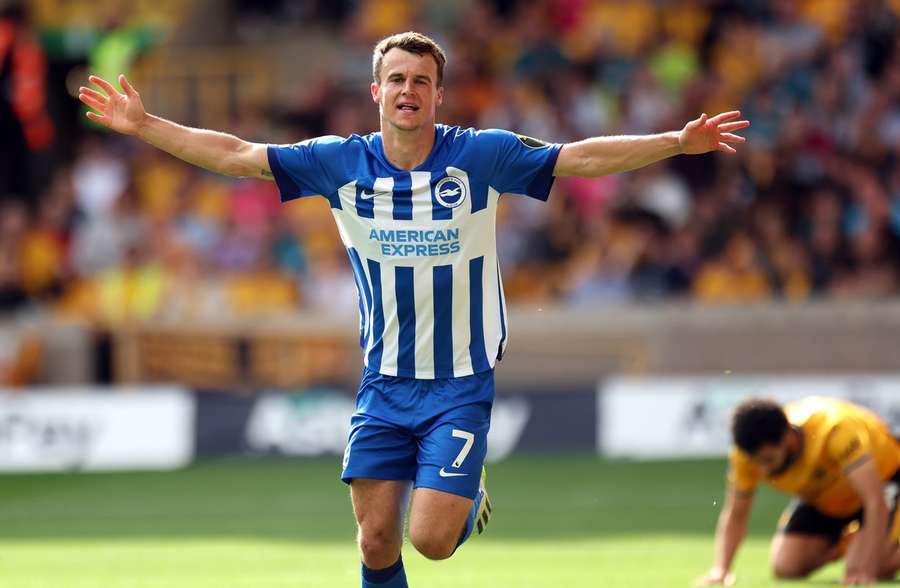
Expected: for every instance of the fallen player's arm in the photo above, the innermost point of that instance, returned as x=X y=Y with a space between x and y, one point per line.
x=730 y=531
x=863 y=558
x=218 y=152
x=601 y=156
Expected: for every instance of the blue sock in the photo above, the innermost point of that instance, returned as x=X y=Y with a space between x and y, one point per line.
x=391 y=577
x=470 y=520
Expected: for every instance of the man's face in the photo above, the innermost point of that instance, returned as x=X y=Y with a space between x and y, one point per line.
x=408 y=95
x=774 y=459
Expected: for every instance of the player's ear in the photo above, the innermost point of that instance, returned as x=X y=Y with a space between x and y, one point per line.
x=439 y=97
x=374 y=89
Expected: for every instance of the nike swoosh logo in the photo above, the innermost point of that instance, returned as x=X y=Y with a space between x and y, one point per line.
x=444 y=474
x=365 y=195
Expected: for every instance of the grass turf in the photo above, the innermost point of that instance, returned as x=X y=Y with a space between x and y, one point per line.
x=558 y=521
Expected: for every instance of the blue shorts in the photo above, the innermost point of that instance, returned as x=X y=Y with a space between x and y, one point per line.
x=433 y=432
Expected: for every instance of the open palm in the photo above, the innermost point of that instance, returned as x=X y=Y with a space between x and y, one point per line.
x=705 y=134
x=115 y=110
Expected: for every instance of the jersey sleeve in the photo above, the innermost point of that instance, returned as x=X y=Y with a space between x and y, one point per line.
x=307 y=168
x=522 y=165
x=849 y=444
x=742 y=476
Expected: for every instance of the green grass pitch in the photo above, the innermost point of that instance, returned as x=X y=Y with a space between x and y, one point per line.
x=558 y=521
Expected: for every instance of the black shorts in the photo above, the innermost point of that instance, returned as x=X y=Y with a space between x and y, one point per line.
x=804 y=519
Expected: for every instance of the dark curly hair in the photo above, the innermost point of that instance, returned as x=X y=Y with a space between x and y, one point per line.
x=758 y=422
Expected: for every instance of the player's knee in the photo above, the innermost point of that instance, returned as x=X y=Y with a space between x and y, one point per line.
x=789 y=570
x=377 y=548
x=433 y=545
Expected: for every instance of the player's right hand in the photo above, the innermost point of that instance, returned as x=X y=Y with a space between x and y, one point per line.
x=715 y=577
x=858 y=579
x=120 y=112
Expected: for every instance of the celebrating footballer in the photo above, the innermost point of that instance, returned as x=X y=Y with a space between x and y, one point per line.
x=415 y=205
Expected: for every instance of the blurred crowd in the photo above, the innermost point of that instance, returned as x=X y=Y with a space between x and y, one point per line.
x=809 y=208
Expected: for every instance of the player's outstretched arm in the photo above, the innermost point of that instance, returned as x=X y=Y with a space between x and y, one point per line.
x=730 y=532
x=219 y=152
x=601 y=156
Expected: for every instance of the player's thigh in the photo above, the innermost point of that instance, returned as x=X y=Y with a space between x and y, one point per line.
x=795 y=555
x=381 y=444
x=806 y=540
x=379 y=465
x=379 y=505
x=452 y=451
x=378 y=450
x=437 y=516
x=451 y=455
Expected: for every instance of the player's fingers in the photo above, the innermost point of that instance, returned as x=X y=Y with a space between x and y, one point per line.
x=709 y=580
x=92 y=102
x=697 y=122
x=126 y=85
x=734 y=126
x=92 y=94
x=106 y=86
x=725 y=116
x=726 y=148
x=733 y=138
x=97 y=118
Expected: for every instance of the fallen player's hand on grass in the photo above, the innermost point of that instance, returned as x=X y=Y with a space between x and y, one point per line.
x=858 y=579
x=715 y=577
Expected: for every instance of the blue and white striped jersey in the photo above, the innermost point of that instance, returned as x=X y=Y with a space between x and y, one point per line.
x=422 y=243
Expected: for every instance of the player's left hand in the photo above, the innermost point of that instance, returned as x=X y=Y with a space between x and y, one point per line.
x=705 y=134
x=715 y=577
x=120 y=112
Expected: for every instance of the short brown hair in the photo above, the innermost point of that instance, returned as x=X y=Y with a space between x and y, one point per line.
x=411 y=42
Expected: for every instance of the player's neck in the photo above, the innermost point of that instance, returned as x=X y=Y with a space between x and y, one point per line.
x=407 y=149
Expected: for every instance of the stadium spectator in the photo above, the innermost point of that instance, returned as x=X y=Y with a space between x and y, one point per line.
x=21 y=354
x=815 y=195
x=25 y=124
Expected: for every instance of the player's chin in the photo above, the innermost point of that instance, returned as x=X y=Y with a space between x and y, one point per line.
x=407 y=124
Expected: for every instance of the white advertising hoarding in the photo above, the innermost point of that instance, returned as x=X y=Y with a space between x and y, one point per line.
x=89 y=429
x=688 y=416
x=317 y=423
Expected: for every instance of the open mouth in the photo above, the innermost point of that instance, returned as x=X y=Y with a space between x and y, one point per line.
x=408 y=107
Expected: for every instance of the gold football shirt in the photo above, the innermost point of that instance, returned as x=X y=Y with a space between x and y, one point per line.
x=837 y=436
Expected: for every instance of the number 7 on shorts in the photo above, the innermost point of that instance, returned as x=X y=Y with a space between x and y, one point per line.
x=466 y=448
